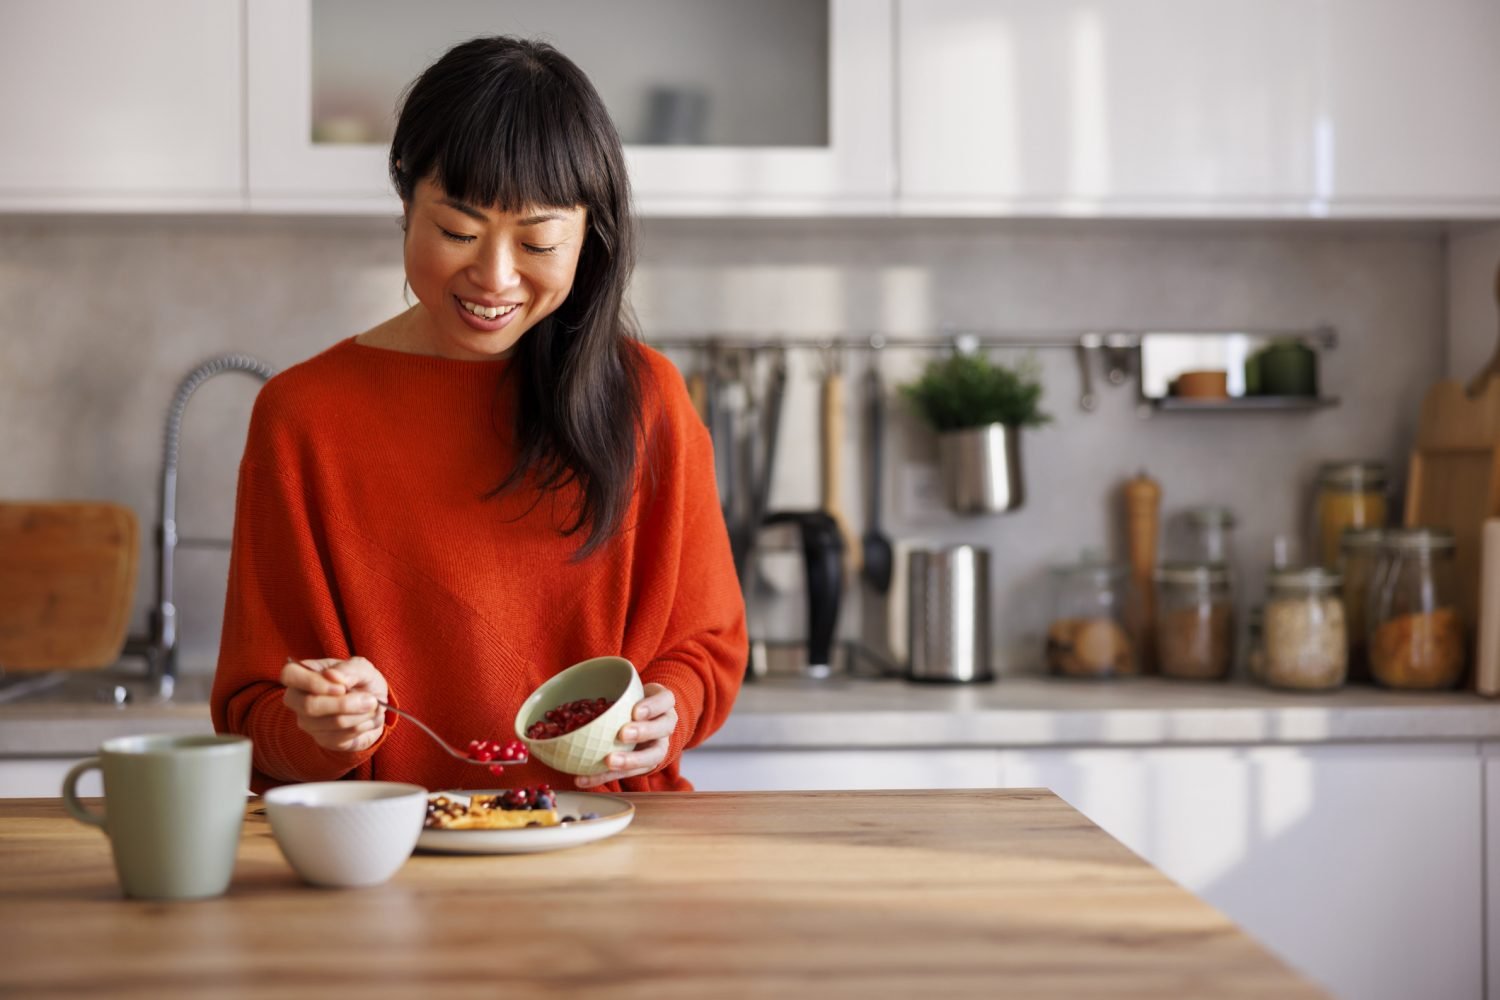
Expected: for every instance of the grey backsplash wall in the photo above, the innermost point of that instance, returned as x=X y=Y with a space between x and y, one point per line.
x=99 y=319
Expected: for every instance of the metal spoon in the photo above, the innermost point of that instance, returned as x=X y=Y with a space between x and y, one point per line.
x=451 y=750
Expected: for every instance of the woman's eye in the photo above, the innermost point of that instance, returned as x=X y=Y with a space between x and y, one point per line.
x=455 y=237
x=532 y=248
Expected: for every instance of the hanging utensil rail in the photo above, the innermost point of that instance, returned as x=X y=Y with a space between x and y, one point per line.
x=963 y=340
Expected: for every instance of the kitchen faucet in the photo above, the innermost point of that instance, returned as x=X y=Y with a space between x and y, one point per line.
x=159 y=647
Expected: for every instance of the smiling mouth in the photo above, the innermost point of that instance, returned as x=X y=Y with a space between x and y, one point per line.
x=487 y=312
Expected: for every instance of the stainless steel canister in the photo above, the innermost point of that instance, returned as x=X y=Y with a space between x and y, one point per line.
x=949 y=602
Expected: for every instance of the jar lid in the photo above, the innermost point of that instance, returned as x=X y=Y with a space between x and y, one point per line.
x=1363 y=538
x=1352 y=475
x=1419 y=539
x=1209 y=517
x=1202 y=574
x=1305 y=580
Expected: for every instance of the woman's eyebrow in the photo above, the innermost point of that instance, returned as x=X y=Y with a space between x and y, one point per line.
x=466 y=208
x=539 y=218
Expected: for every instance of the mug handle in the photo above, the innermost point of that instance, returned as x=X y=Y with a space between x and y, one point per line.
x=70 y=793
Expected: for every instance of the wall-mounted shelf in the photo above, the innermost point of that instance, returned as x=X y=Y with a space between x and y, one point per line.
x=1241 y=404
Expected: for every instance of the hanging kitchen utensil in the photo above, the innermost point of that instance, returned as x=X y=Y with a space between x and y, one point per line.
x=1142 y=528
x=832 y=454
x=1492 y=369
x=875 y=549
x=761 y=445
x=67 y=578
x=697 y=388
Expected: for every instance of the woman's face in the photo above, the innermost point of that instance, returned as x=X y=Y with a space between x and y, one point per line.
x=484 y=277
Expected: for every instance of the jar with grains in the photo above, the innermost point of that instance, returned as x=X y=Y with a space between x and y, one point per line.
x=1194 y=622
x=1416 y=638
x=1087 y=637
x=1349 y=495
x=1359 y=559
x=1306 y=647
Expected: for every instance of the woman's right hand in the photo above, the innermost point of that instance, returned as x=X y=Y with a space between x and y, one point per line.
x=335 y=701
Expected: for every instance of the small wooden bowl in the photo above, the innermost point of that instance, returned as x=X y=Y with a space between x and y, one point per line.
x=1203 y=385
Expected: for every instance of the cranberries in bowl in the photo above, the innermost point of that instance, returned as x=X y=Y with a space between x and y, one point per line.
x=573 y=721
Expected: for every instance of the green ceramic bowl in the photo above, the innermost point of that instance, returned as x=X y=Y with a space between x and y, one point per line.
x=583 y=751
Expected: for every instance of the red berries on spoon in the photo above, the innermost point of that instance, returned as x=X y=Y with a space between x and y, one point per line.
x=504 y=753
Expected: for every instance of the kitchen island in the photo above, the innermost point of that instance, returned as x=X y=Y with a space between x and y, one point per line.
x=841 y=894
x=1266 y=804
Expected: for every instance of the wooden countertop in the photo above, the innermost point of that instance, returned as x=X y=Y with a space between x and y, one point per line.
x=838 y=894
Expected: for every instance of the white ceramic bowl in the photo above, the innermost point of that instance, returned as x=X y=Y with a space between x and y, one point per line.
x=346 y=833
x=584 y=750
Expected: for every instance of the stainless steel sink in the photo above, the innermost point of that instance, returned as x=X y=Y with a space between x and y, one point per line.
x=96 y=687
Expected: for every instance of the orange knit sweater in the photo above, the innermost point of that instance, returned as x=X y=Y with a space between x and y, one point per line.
x=360 y=530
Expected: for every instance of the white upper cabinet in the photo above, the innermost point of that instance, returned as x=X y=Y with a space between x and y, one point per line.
x=121 y=106
x=1198 y=107
x=724 y=106
x=1078 y=107
x=1412 y=93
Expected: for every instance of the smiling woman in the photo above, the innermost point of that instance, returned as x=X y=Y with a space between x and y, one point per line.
x=445 y=510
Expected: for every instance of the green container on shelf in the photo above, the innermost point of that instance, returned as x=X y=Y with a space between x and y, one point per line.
x=1285 y=368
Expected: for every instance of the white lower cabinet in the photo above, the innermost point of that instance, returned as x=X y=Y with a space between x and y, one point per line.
x=42 y=778
x=1361 y=866
x=789 y=770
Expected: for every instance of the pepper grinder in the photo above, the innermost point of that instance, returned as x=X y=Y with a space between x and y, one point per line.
x=1142 y=520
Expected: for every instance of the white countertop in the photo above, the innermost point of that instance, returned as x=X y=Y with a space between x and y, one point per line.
x=853 y=714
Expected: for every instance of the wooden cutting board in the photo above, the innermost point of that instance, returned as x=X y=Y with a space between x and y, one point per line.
x=1454 y=477
x=67 y=579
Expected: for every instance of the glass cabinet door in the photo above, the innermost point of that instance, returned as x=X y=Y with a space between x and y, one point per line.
x=724 y=106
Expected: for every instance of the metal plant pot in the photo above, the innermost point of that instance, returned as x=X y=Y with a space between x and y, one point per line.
x=982 y=469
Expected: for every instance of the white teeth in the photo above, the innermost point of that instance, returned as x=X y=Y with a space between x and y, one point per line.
x=482 y=312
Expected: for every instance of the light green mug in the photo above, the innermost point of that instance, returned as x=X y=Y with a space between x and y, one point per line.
x=173 y=808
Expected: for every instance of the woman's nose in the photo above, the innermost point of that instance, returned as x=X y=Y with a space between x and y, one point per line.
x=495 y=269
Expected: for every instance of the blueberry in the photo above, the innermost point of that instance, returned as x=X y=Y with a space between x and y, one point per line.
x=590 y=815
x=568 y=819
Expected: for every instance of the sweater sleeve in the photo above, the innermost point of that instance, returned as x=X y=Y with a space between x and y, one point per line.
x=281 y=602
x=703 y=649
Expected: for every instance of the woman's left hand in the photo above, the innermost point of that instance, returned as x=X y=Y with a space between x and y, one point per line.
x=651 y=725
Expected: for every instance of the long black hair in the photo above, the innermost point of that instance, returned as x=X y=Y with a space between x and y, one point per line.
x=514 y=123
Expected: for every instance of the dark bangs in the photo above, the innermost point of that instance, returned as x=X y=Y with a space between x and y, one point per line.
x=508 y=132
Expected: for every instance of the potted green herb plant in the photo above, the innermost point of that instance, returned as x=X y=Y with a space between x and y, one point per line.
x=978 y=408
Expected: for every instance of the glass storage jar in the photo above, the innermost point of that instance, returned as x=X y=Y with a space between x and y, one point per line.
x=1416 y=638
x=1306 y=646
x=1360 y=555
x=1209 y=539
x=1349 y=495
x=1087 y=636
x=1194 y=621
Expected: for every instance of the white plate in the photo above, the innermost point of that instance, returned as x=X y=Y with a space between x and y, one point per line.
x=614 y=816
